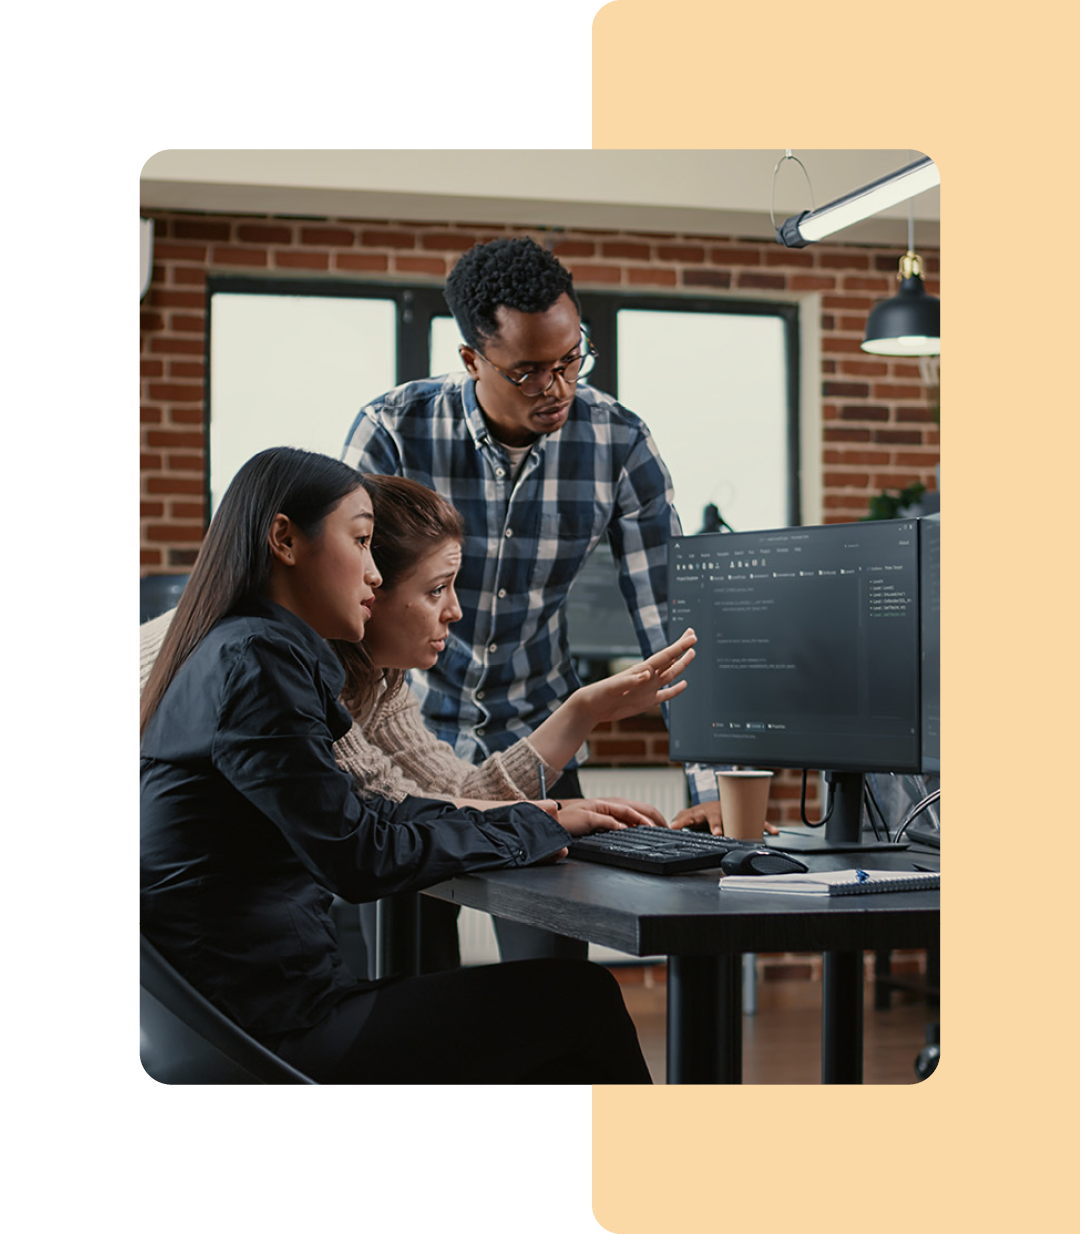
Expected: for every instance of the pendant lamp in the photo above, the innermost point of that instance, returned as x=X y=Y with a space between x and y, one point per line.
x=908 y=324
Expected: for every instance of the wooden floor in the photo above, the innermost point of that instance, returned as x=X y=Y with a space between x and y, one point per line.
x=782 y=1039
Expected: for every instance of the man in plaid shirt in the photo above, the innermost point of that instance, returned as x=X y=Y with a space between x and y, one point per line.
x=542 y=470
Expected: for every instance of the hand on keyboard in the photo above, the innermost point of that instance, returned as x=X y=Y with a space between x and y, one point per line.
x=581 y=815
x=708 y=812
x=652 y=815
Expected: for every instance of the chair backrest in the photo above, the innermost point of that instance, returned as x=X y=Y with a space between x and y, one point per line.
x=158 y=593
x=185 y=1039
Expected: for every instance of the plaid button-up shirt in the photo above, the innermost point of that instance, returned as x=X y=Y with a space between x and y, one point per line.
x=507 y=665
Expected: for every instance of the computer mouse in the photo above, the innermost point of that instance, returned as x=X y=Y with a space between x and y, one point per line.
x=761 y=861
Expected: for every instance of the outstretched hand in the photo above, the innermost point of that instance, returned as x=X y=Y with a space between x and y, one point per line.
x=641 y=686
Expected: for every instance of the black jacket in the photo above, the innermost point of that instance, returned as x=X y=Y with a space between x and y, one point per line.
x=248 y=825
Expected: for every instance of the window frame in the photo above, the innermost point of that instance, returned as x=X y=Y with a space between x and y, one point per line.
x=417 y=303
x=600 y=310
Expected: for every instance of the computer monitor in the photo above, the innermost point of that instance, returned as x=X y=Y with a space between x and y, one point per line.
x=930 y=634
x=817 y=648
x=598 y=622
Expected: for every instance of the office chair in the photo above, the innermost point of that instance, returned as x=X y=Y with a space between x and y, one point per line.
x=158 y=593
x=184 y=1039
x=930 y=1055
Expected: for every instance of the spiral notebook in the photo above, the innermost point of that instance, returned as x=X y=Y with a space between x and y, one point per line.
x=833 y=882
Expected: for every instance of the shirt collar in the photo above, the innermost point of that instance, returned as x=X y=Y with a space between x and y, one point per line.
x=474 y=417
x=267 y=610
x=477 y=425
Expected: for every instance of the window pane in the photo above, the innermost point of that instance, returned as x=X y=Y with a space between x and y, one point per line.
x=712 y=388
x=292 y=371
x=445 y=341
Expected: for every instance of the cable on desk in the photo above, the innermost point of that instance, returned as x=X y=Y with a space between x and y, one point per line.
x=916 y=810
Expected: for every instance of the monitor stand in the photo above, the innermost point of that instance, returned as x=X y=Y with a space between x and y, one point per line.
x=843 y=830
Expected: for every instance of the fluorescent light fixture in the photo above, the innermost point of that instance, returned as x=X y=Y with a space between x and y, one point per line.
x=803 y=229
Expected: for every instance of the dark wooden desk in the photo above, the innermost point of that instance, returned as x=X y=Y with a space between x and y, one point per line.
x=704 y=933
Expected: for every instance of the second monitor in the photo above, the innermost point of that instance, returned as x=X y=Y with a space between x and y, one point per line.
x=817 y=649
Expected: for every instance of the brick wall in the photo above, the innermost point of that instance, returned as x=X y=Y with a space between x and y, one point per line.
x=880 y=427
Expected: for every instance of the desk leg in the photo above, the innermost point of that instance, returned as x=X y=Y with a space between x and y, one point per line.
x=704 y=1028
x=397 y=935
x=842 y=1017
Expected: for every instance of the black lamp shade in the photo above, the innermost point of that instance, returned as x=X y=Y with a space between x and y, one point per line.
x=908 y=324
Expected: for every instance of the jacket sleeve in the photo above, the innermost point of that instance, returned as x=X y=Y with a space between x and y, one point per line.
x=274 y=745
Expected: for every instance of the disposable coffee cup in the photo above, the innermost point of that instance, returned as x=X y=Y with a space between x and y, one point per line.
x=744 y=802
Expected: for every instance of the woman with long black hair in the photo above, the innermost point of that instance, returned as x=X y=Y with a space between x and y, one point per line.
x=249 y=826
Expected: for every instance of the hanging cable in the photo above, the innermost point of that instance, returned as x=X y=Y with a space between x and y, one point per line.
x=873 y=808
x=802 y=805
x=788 y=156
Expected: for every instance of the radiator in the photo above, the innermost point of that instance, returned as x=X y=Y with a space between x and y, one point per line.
x=662 y=787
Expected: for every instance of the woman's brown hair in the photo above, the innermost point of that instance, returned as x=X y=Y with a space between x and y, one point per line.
x=410 y=520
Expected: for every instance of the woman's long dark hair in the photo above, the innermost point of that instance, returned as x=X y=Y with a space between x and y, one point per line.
x=233 y=566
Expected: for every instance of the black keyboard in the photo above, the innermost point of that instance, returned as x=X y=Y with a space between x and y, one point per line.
x=656 y=850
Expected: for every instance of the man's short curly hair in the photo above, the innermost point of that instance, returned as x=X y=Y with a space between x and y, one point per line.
x=516 y=273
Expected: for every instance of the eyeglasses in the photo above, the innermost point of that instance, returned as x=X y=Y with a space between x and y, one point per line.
x=539 y=381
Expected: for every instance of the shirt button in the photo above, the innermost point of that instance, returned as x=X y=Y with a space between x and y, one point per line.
x=500 y=472
x=502 y=593
x=479 y=693
x=480 y=732
x=493 y=647
x=509 y=533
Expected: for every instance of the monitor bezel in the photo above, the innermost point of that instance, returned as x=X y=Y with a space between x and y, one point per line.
x=915 y=766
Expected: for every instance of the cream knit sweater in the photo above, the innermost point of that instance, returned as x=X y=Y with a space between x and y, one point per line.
x=395 y=756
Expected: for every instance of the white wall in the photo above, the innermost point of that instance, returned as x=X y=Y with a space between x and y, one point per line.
x=707 y=192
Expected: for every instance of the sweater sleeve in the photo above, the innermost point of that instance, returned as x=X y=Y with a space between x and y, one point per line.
x=425 y=766
x=374 y=773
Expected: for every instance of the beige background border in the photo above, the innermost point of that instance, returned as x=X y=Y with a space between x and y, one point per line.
x=988 y=1137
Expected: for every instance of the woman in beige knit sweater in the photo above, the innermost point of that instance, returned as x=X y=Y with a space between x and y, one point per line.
x=389 y=751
